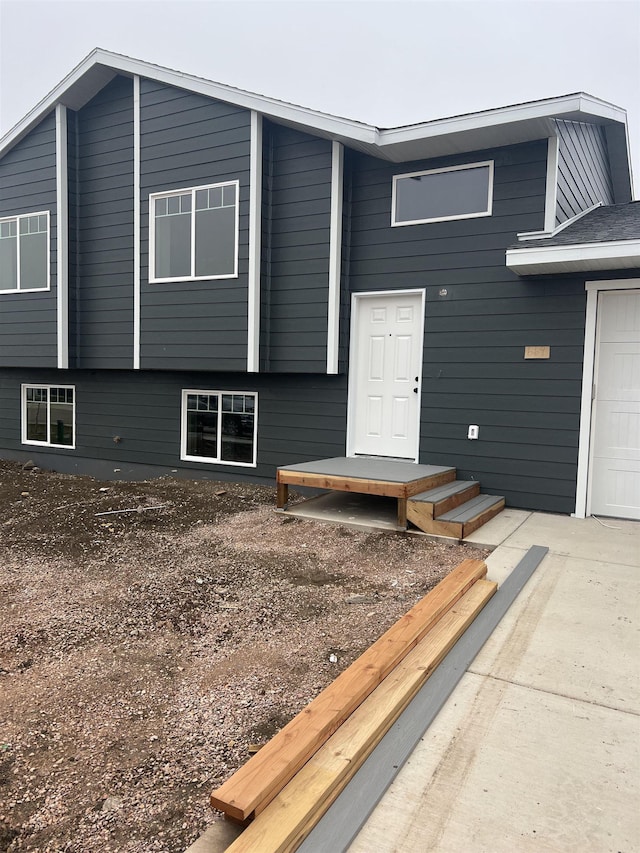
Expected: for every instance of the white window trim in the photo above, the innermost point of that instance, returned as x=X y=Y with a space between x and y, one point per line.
x=23 y=411
x=18 y=217
x=206 y=459
x=487 y=212
x=583 y=480
x=152 y=233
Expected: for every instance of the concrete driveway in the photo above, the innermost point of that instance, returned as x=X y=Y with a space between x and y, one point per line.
x=538 y=747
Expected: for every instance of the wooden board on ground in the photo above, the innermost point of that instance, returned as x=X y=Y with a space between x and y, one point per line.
x=294 y=812
x=258 y=781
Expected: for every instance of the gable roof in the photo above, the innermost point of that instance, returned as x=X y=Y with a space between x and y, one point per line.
x=605 y=237
x=458 y=134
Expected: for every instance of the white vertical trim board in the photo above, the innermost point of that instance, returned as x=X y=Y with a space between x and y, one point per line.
x=136 y=223
x=335 y=257
x=62 y=239
x=255 y=229
x=593 y=288
x=551 y=196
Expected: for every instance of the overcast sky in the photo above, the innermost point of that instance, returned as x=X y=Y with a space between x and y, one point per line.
x=385 y=63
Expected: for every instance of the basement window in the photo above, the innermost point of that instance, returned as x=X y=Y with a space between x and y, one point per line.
x=48 y=415
x=24 y=253
x=457 y=192
x=194 y=233
x=219 y=426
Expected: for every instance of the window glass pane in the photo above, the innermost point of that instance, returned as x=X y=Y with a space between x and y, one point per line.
x=237 y=437
x=229 y=195
x=8 y=260
x=37 y=421
x=215 y=197
x=61 y=423
x=202 y=199
x=33 y=260
x=161 y=207
x=202 y=434
x=192 y=401
x=458 y=193
x=215 y=241
x=173 y=246
x=227 y=402
x=173 y=204
x=185 y=203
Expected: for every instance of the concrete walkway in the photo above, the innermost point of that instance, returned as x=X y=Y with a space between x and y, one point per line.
x=538 y=746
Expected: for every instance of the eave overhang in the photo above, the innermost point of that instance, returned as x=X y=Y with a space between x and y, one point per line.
x=459 y=134
x=581 y=257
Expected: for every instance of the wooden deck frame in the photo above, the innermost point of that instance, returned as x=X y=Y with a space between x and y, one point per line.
x=359 y=485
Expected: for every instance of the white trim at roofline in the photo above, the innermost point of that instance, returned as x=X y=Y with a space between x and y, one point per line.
x=62 y=240
x=255 y=244
x=546 y=235
x=533 y=119
x=625 y=254
x=335 y=257
x=588 y=367
x=136 y=223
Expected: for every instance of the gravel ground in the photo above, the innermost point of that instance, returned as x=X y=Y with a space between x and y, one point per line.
x=142 y=653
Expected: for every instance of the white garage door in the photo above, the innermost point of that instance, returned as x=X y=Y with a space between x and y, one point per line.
x=615 y=448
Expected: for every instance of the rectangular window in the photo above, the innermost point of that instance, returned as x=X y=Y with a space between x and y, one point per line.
x=194 y=233
x=48 y=415
x=458 y=192
x=219 y=426
x=24 y=253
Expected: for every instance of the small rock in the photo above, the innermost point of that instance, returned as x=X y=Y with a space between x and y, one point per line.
x=29 y=466
x=24 y=494
x=111 y=804
x=333 y=658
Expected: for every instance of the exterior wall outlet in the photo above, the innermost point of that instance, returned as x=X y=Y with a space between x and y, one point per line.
x=474 y=429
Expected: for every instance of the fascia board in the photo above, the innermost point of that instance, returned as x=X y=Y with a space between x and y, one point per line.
x=616 y=253
x=580 y=106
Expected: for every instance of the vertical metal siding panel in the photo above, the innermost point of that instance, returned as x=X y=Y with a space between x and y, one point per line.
x=584 y=175
x=300 y=215
x=28 y=184
x=104 y=268
x=189 y=140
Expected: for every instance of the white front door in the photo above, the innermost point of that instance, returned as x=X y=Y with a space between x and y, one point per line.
x=385 y=374
x=615 y=447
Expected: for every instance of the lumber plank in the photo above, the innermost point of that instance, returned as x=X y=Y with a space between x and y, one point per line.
x=259 y=780
x=298 y=807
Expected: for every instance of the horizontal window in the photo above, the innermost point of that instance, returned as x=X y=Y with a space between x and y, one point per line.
x=48 y=415
x=458 y=192
x=24 y=252
x=219 y=426
x=194 y=233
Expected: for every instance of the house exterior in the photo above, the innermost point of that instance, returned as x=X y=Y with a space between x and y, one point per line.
x=198 y=279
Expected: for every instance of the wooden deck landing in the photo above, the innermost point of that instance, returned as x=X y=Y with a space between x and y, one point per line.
x=365 y=475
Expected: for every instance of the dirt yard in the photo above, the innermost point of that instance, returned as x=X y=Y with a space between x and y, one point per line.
x=142 y=653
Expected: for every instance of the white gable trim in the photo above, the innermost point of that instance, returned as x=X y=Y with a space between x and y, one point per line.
x=62 y=239
x=474 y=131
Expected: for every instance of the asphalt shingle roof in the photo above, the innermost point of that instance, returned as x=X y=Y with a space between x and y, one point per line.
x=602 y=225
